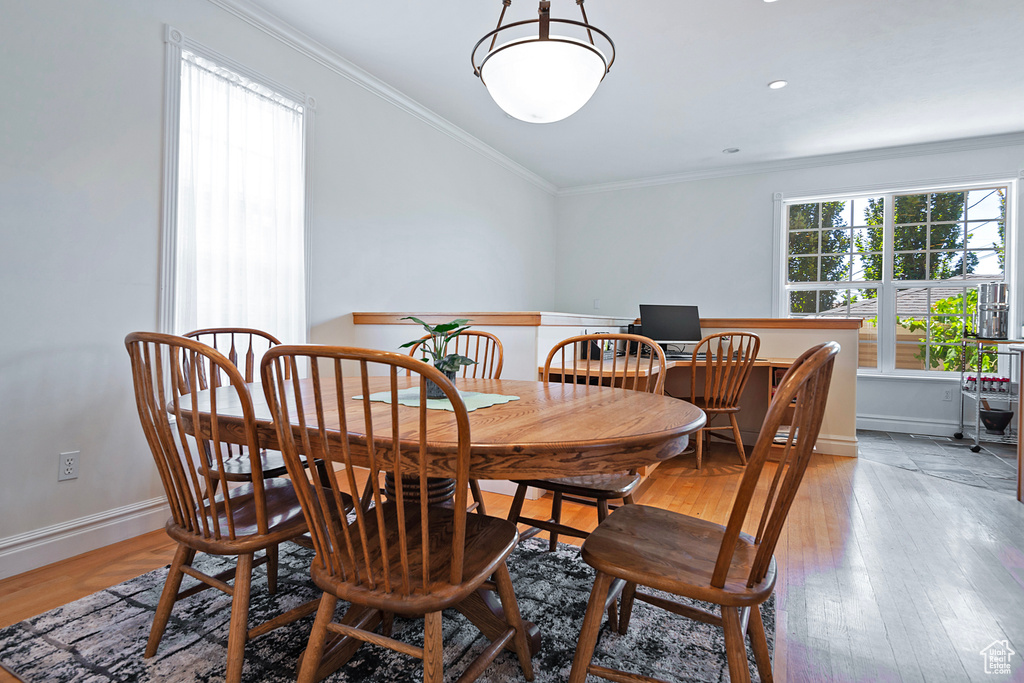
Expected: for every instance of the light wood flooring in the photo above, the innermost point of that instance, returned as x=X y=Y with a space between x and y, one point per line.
x=886 y=574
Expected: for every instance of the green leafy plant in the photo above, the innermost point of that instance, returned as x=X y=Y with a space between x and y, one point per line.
x=945 y=333
x=435 y=348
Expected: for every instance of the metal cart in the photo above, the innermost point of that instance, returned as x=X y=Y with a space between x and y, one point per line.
x=970 y=425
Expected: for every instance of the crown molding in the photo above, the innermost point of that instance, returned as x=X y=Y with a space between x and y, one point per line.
x=303 y=44
x=944 y=147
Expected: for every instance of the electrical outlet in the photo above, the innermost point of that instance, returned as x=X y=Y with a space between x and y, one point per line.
x=67 y=466
x=947 y=394
x=597 y=304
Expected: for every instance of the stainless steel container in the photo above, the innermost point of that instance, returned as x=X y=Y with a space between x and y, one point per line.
x=992 y=321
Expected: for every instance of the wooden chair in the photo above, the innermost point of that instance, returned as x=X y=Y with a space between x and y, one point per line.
x=726 y=358
x=486 y=349
x=483 y=347
x=244 y=347
x=395 y=557
x=697 y=559
x=644 y=371
x=239 y=520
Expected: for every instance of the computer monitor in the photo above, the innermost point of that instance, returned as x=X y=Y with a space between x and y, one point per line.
x=670 y=324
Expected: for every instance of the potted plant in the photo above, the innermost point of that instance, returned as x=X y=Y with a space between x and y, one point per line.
x=435 y=350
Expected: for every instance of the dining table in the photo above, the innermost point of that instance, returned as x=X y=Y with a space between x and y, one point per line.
x=547 y=430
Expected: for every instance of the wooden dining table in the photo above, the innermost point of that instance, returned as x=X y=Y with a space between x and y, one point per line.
x=550 y=430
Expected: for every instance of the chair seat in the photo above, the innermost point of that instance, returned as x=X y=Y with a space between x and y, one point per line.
x=284 y=517
x=239 y=468
x=599 y=486
x=488 y=542
x=674 y=553
x=701 y=403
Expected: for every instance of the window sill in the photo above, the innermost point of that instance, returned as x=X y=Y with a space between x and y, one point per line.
x=937 y=376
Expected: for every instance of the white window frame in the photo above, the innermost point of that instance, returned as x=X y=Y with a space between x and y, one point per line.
x=887 y=287
x=174 y=43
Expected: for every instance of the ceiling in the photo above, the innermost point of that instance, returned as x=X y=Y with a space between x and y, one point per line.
x=690 y=78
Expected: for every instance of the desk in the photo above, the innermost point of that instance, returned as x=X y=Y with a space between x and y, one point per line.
x=553 y=430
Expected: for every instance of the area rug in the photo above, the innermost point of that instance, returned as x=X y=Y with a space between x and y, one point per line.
x=101 y=637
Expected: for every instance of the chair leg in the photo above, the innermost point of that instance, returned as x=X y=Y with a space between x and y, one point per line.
x=317 y=637
x=556 y=516
x=735 y=645
x=517 y=504
x=628 y=592
x=272 y=569
x=478 y=496
x=387 y=623
x=510 y=606
x=183 y=556
x=700 y=446
x=739 y=439
x=759 y=644
x=433 y=649
x=239 y=624
x=590 y=629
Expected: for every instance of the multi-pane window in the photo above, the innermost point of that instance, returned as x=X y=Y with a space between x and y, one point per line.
x=906 y=263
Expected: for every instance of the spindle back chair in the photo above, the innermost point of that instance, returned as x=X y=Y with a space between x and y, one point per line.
x=397 y=556
x=697 y=559
x=244 y=347
x=591 y=359
x=725 y=360
x=486 y=349
x=207 y=514
x=483 y=347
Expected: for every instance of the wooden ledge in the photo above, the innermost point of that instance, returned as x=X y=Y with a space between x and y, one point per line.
x=501 y=318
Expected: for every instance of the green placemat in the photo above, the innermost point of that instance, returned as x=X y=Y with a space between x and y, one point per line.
x=472 y=399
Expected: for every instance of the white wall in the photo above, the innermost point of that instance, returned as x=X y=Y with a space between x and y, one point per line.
x=710 y=242
x=404 y=217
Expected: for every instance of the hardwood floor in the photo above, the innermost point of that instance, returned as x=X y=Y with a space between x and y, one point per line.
x=885 y=574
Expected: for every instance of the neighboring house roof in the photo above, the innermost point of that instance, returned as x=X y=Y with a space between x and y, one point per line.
x=913 y=301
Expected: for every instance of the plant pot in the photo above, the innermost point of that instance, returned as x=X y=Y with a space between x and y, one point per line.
x=434 y=391
x=995 y=421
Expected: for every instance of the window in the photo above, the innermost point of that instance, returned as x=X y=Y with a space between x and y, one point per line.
x=908 y=263
x=236 y=232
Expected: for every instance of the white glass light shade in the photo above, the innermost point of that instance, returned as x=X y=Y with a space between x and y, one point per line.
x=543 y=81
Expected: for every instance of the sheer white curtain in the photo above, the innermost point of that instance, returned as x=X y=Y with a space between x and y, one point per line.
x=240 y=252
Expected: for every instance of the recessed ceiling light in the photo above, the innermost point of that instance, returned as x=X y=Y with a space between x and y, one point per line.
x=775 y=85
x=730 y=150
x=769 y=0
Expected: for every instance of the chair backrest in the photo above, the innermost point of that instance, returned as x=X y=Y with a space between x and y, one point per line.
x=174 y=409
x=807 y=381
x=331 y=416
x=582 y=360
x=244 y=346
x=483 y=347
x=727 y=360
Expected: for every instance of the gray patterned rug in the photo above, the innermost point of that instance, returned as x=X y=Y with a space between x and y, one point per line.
x=101 y=637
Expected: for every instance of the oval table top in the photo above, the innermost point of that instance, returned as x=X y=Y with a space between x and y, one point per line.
x=553 y=430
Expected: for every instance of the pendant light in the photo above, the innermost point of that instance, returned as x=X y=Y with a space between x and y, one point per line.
x=547 y=77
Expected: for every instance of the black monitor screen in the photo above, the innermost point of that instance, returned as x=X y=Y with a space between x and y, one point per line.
x=670 y=324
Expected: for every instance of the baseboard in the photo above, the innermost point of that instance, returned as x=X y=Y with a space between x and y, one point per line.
x=828 y=444
x=507 y=488
x=41 y=547
x=906 y=425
